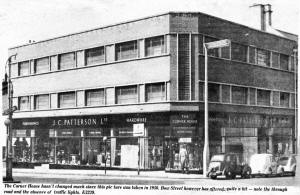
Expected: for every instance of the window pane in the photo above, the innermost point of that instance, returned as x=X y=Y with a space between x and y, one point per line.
x=41 y=102
x=275 y=60
x=126 y=50
x=292 y=63
x=293 y=100
x=155 y=92
x=24 y=68
x=95 y=97
x=42 y=65
x=239 y=95
x=225 y=52
x=66 y=61
x=252 y=96
x=226 y=93
x=263 y=97
x=95 y=55
x=126 y=95
x=284 y=99
x=200 y=37
x=252 y=58
x=284 y=62
x=24 y=103
x=212 y=52
x=239 y=52
x=67 y=100
x=201 y=91
x=213 y=92
x=263 y=57
x=155 y=46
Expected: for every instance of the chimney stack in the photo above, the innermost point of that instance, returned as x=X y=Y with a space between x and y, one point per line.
x=263 y=15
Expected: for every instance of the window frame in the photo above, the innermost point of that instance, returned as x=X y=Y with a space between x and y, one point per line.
x=101 y=90
x=257 y=97
x=162 y=45
x=28 y=103
x=59 y=67
x=20 y=68
x=163 y=92
x=93 y=62
x=118 y=48
x=35 y=101
x=117 y=101
x=36 y=64
x=59 y=104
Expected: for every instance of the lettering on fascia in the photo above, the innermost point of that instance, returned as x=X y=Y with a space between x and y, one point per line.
x=75 y=122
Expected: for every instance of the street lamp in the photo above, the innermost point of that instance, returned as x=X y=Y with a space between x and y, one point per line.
x=207 y=46
x=8 y=123
x=105 y=139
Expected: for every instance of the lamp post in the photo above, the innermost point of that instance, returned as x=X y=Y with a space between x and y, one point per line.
x=105 y=139
x=207 y=46
x=8 y=123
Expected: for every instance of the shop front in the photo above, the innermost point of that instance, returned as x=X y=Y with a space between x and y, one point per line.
x=248 y=134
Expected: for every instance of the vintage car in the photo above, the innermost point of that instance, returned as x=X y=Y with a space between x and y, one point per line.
x=263 y=165
x=287 y=165
x=227 y=165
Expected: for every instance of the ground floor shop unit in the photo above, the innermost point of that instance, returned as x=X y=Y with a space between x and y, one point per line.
x=149 y=141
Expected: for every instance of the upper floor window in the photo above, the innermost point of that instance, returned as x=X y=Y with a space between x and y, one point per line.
x=125 y=95
x=66 y=99
x=24 y=68
x=263 y=97
x=238 y=52
x=95 y=55
x=263 y=57
x=155 y=46
x=66 y=61
x=41 y=102
x=41 y=65
x=275 y=60
x=95 y=97
x=284 y=62
x=127 y=50
x=24 y=103
x=284 y=99
x=155 y=92
x=213 y=92
x=239 y=95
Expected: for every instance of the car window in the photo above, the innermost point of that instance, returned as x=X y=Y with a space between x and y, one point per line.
x=283 y=160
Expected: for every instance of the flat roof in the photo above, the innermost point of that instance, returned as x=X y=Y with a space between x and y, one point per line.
x=152 y=16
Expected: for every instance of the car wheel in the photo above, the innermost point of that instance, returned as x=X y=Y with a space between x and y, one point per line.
x=229 y=174
x=213 y=176
x=280 y=172
x=247 y=173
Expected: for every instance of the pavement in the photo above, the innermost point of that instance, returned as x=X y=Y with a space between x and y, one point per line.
x=44 y=169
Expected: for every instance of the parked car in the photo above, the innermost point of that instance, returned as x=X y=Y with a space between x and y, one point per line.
x=287 y=164
x=227 y=165
x=263 y=165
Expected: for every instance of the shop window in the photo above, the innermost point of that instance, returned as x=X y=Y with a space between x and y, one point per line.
x=41 y=102
x=213 y=92
x=127 y=50
x=238 y=52
x=24 y=103
x=95 y=97
x=155 y=46
x=284 y=99
x=66 y=61
x=225 y=93
x=263 y=97
x=125 y=95
x=24 y=68
x=155 y=92
x=239 y=95
x=66 y=100
x=21 y=147
x=252 y=55
x=275 y=60
x=41 y=65
x=95 y=56
x=263 y=57
x=284 y=62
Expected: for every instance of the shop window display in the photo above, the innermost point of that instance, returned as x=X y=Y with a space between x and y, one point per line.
x=155 y=152
x=184 y=156
x=68 y=151
x=21 y=149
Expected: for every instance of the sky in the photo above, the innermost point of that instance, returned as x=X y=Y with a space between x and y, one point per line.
x=21 y=21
